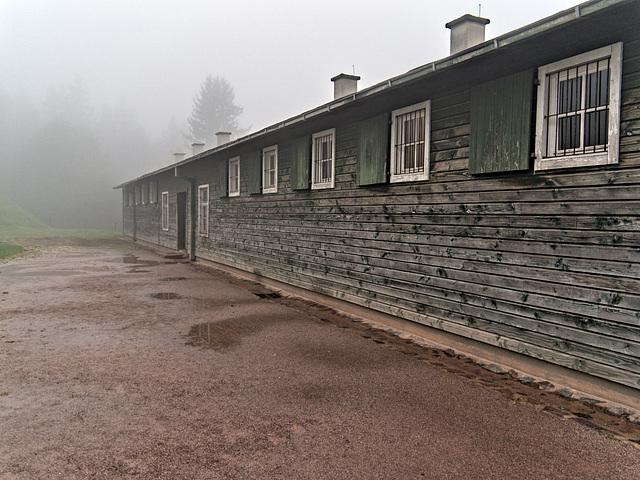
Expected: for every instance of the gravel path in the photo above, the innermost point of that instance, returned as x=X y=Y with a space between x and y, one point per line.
x=117 y=363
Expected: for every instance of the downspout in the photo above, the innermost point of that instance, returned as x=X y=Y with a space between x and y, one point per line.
x=192 y=215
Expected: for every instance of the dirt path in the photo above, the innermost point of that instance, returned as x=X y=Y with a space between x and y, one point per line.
x=116 y=363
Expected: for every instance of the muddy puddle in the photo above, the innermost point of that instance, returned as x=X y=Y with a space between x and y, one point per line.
x=28 y=272
x=165 y=296
x=225 y=334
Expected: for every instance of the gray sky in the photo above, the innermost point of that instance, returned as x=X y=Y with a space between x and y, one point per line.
x=279 y=55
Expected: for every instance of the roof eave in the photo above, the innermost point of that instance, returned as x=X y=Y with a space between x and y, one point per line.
x=526 y=32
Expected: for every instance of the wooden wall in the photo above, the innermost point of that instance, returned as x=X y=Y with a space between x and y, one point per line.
x=547 y=265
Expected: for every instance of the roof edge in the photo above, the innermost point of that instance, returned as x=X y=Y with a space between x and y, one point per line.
x=538 y=27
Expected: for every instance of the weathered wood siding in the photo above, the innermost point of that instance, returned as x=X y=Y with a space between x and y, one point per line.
x=148 y=216
x=547 y=265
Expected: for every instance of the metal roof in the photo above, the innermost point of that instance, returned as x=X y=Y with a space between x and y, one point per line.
x=559 y=19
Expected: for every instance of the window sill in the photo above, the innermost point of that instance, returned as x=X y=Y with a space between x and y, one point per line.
x=412 y=177
x=575 y=161
x=321 y=186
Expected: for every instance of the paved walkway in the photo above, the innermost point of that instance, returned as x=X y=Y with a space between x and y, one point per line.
x=116 y=363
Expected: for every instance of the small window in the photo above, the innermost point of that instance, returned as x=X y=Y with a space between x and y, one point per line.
x=153 y=187
x=270 y=170
x=410 y=143
x=145 y=194
x=138 y=196
x=234 y=177
x=165 y=210
x=323 y=159
x=578 y=110
x=203 y=210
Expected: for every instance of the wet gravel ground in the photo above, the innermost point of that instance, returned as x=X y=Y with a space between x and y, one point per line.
x=118 y=363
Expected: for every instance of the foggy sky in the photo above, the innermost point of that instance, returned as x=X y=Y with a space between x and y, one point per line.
x=279 y=55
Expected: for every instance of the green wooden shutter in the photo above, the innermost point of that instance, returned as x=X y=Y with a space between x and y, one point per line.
x=223 y=177
x=501 y=124
x=301 y=163
x=373 y=150
x=254 y=169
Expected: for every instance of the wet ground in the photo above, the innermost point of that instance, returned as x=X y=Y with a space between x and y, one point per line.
x=118 y=363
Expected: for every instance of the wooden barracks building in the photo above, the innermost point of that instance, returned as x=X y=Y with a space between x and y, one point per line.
x=488 y=201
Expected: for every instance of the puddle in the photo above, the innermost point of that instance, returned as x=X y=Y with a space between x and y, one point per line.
x=48 y=273
x=268 y=295
x=225 y=334
x=172 y=279
x=165 y=296
x=132 y=260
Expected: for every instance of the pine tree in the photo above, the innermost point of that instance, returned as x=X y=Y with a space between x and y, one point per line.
x=213 y=111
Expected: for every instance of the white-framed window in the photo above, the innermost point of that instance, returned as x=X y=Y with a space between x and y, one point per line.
x=165 y=210
x=323 y=153
x=578 y=110
x=130 y=198
x=410 y=140
x=270 y=169
x=203 y=210
x=234 y=176
x=145 y=194
x=153 y=187
x=138 y=195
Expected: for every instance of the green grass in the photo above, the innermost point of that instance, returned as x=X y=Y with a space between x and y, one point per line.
x=20 y=231
x=9 y=249
x=11 y=214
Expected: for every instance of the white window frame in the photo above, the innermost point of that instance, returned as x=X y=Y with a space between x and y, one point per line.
x=165 y=211
x=203 y=210
x=267 y=186
x=396 y=176
x=234 y=177
x=138 y=195
x=545 y=89
x=145 y=194
x=317 y=183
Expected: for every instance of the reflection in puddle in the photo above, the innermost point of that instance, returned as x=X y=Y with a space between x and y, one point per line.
x=224 y=334
x=165 y=296
x=47 y=273
x=137 y=261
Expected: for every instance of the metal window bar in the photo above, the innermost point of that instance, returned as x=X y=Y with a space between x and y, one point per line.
x=233 y=176
x=577 y=121
x=410 y=142
x=204 y=204
x=269 y=169
x=323 y=147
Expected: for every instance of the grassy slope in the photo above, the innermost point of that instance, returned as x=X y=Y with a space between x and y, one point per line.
x=12 y=215
x=16 y=225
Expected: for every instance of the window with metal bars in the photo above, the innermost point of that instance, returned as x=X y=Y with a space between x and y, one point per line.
x=410 y=143
x=153 y=187
x=165 y=210
x=234 y=177
x=578 y=110
x=270 y=169
x=322 y=159
x=203 y=210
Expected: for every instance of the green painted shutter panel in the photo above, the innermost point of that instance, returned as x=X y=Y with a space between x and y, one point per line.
x=223 y=178
x=501 y=124
x=254 y=168
x=301 y=163
x=373 y=150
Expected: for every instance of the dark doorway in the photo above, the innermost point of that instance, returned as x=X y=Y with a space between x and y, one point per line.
x=181 y=204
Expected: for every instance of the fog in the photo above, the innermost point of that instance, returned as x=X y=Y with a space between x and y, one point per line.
x=95 y=93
